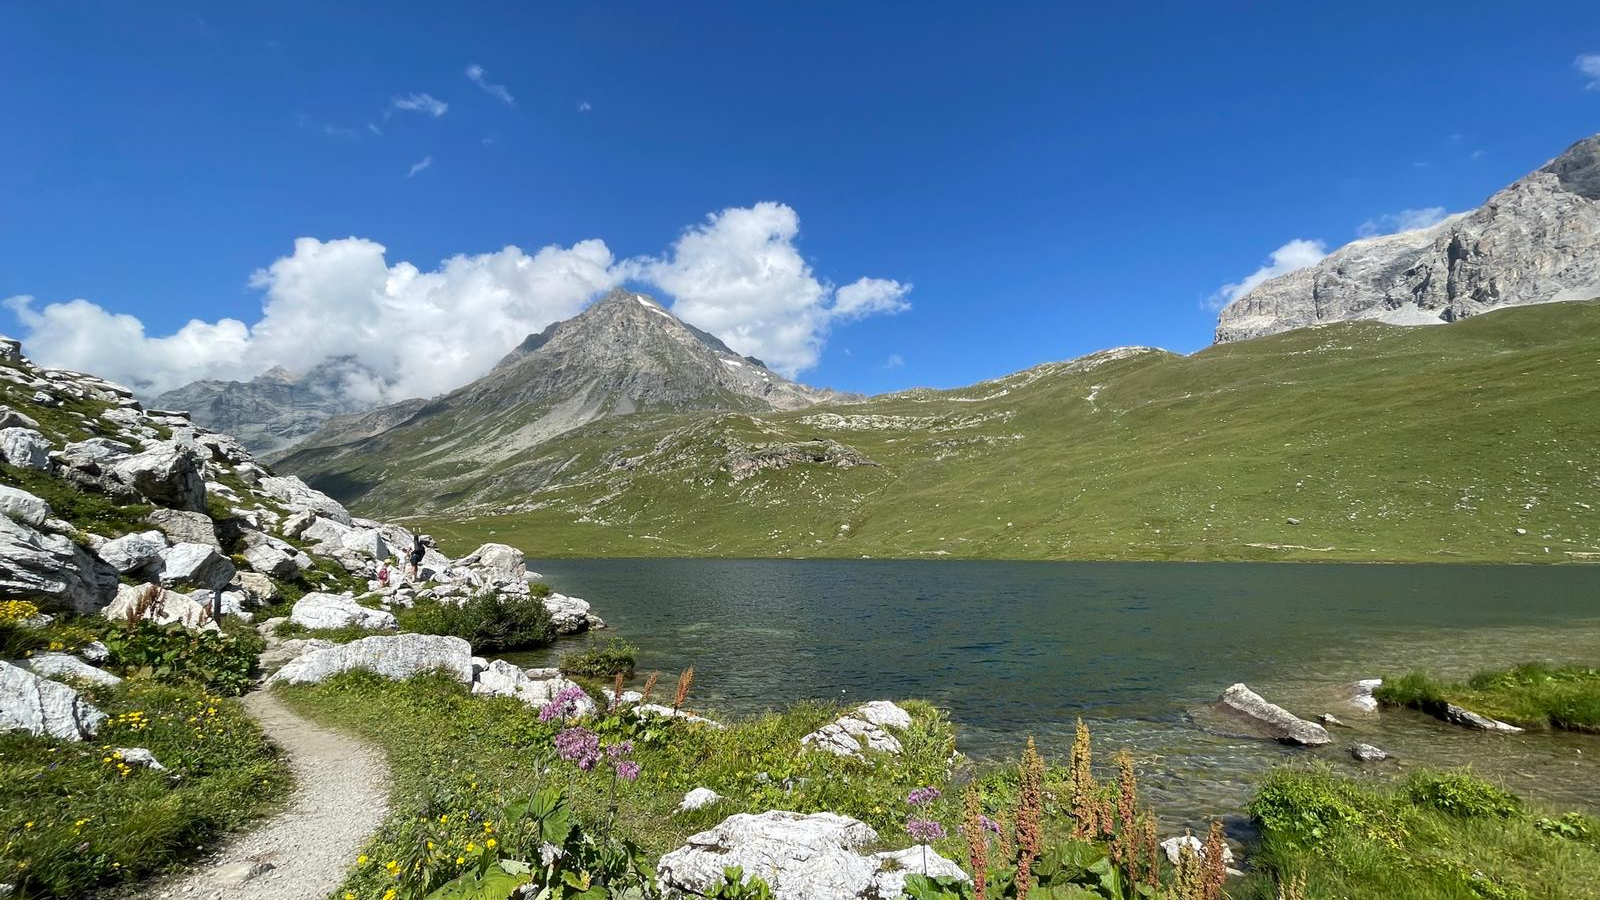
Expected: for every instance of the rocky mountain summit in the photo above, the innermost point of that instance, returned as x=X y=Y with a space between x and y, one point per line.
x=624 y=355
x=275 y=409
x=1536 y=241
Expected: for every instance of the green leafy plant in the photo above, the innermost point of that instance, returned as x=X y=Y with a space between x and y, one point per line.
x=601 y=660
x=1460 y=793
x=222 y=662
x=735 y=886
x=492 y=623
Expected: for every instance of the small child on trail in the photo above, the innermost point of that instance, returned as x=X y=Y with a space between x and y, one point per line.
x=383 y=574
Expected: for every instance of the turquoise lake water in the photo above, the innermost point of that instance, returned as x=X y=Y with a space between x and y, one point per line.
x=1137 y=649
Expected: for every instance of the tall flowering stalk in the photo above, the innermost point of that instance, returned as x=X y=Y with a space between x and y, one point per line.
x=649 y=687
x=682 y=693
x=616 y=691
x=923 y=829
x=1085 y=806
x=1213 y=865
x=564 y=704
x=1030 y=811
x=975 y=828
x=624 y=768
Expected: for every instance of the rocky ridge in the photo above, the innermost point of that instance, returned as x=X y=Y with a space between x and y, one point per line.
x=276 y=408
x=1536 y=241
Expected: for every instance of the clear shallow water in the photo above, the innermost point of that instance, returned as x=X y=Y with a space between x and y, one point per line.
x=1137 y=649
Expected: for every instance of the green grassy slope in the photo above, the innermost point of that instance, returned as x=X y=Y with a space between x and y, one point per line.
x=1387 y=444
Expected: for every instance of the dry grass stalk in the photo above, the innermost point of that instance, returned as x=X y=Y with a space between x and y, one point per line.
x=977 y=843
x=1294 y=888
x=1030 y=813
x=616 y=691
x=649 y=686
x=682 y=693
x=1085 y=800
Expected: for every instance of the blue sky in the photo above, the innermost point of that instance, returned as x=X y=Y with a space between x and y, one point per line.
x=1036 y=181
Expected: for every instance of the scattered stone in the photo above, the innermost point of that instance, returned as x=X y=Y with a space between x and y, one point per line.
x=1329 y=720
x=297 y=523
x=319 y=610
x=95 y=652
x=40 y=706
x=139 y=756
x=196 y=565
x=133 y=552
x=1173 y=847
x=1466 y=718
x=864 y=728
x=1367 y=753
x=10 y=418
x=270 y=560
x=1278 y=722
x=699 y=798
x=392 y=656
x=236 y=874
x=1292 y=520
x=22 y=507
x=65 y=666
x=25 y=448
x=895 y=865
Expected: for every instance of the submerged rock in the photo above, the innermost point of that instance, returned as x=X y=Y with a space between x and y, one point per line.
x=1466 y=718
x=1278 y=722
x=1367 y=753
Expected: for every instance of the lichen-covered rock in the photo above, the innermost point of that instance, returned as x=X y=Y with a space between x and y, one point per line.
x=270 y=560
x=297 y=495
x=801 y=857
x=1276 y=721
x=43 y=707
x=196 y=565
x=25 y=448
x=133 y=552
x=392 y=656
x=263 y=591
x=22 y=507
x=66 y=667
x=319 y=610
x=182 y=527
x=864 y=728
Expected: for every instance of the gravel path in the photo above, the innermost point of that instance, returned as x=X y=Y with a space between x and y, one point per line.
x=341 y=795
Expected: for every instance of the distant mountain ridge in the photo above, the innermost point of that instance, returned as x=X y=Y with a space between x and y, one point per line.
x=276 y=408
x=1536 y=241
x=625 y=354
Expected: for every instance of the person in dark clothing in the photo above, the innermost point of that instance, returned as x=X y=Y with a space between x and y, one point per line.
x=417 y=552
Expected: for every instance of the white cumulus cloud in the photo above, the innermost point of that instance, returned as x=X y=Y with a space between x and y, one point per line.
x=741 y=277
x=1404 y=220
x=1589 y=66
x=427 y=104
x=1297 y=254
x=480 y=78
x=418 y=332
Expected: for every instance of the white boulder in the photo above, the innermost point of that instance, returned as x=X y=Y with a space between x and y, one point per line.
x=895 y=865
x=138 y=756
x=169 y=473
x=319 y=610
x=268 y=559
x=297 y=495
x=52 y=569
x=22 y=507
x=159 y=605
x=864 y=728
x=392 y=656
x=65 y=666
x=570 y=615
x=43 y=707
x=1276 y=721
x=502 y=679
x=24 y=448
x=498 y=558
x=699 y=798
x=132 y=552
x=196 y=565
x=183 y=527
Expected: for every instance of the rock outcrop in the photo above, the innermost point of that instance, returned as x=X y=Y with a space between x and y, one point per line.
x=868 y=727
x=1537 y=241
x=319 y=610
x=392 y=656
x=1277 y=722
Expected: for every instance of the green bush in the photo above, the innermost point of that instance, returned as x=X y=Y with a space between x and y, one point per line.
x=600 y=660
x=1304 y=806
x=492 y=623
x=172 y=653
x=1460 y=793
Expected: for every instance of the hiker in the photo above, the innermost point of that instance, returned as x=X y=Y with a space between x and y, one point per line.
x=383 y=574
x=417 y=552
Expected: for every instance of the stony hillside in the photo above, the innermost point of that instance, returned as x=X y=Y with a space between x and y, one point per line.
x=1536 y=241
x=623 y=356
x=1354 y=441
x=273 y=410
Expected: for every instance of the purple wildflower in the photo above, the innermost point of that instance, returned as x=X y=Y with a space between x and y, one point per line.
x=923 y=796
x=579 y=745
x=924 y=830
x=620 y=749
x=564 y=704
x=988 y=824
x=627 y=769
